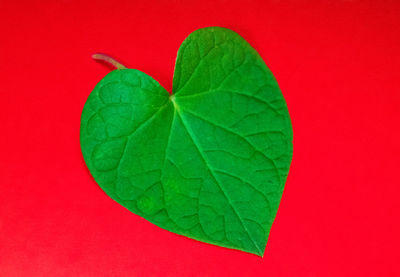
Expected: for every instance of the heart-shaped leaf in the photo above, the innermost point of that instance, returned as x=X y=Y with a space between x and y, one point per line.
x=208 y=162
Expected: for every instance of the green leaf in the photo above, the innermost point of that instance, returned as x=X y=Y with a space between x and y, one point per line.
x=208 y=162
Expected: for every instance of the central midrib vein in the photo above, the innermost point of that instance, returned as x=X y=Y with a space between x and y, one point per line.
x=197 y=145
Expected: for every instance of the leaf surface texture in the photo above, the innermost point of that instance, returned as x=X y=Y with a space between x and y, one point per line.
x=208 y=162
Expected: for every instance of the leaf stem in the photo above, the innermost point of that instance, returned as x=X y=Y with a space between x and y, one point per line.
x=108 y=59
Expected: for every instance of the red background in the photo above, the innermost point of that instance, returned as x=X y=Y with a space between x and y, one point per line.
x=337 y=63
